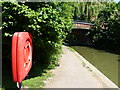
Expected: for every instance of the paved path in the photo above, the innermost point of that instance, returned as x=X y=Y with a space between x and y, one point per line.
x=73 y=74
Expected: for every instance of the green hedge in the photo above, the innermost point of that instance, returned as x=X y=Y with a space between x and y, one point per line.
x=106 y=32
x=43 y=20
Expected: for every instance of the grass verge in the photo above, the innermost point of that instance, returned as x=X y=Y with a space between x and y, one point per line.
x=35 y=79
x=37 y=82
x=71 y=49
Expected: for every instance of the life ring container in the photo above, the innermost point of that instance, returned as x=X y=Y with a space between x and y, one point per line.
x=21 y=55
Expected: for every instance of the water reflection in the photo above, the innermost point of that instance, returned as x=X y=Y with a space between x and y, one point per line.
x=106 y=62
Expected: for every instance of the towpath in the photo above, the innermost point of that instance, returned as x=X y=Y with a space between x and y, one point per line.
x=73 y=73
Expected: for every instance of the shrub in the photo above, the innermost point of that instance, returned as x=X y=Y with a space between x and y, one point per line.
x=106 y=33
x=46 y=24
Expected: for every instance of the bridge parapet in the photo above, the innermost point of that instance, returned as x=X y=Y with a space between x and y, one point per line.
x=82 y=25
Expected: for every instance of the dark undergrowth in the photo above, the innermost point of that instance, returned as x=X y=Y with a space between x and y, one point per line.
x=35 y=78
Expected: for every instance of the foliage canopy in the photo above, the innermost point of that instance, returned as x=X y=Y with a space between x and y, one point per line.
x=106 y=31
x=47 y=23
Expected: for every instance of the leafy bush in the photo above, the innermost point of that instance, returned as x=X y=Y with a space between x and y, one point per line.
x=46 y=24
x=106 y=33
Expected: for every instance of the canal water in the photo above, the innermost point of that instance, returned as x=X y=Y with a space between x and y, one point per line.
x=105 y=62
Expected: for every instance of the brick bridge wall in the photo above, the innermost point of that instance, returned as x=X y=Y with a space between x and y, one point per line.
x=82 y=38
x=78 y=25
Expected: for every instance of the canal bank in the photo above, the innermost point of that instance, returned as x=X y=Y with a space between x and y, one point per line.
x=75 y=72
x=105 y=62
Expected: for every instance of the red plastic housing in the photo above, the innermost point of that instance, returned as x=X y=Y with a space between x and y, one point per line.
x=21 y=55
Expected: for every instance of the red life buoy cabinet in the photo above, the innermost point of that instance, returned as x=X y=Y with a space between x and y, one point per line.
x=21 y=55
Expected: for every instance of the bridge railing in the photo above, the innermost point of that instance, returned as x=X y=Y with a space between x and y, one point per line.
x=82 y=25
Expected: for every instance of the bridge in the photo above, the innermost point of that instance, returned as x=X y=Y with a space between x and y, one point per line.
x=80 y=31
x=82 y=25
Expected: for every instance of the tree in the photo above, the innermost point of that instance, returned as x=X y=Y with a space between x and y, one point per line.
x=106 y=31
x=47 y=24
x=87 y=10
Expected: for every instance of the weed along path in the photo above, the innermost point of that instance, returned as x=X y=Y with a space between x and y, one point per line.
x=75 y=72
